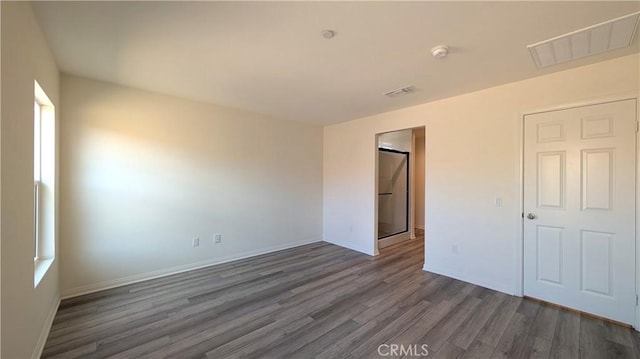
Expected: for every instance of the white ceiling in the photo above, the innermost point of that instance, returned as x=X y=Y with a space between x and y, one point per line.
x=269 y=57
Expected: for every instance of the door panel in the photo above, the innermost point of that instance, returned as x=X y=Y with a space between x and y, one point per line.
x=579 y=187
x=597 y=264
x=549 y=254
x=597 y=179
x=551 y=179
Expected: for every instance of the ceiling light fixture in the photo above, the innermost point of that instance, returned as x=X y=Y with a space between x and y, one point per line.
x=440 y=51
x=328 y=34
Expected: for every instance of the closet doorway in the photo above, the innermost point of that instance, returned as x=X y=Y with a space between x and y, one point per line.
x=393 y=194
x=397 y=186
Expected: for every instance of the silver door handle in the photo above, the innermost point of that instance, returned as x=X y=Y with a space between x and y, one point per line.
x=531 y=216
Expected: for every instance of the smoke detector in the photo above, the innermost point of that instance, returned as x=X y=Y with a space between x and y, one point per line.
x=440 y=51
x=328 y=34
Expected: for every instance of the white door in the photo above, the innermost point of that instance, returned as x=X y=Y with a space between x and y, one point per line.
x=579 y=208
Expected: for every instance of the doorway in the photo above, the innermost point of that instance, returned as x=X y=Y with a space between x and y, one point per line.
x=399 y=183
x=579 y=208
x=393 y=193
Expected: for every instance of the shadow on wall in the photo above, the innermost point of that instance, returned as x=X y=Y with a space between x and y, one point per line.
x=143 y=174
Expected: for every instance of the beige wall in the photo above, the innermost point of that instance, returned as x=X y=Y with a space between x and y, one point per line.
x=25 y=58
x=143 y=173
x=473 y=145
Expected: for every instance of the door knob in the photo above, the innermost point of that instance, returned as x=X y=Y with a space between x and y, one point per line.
x=531 y=216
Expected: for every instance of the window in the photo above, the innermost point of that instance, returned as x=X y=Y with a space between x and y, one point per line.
x=37 y=121
x=44 y=167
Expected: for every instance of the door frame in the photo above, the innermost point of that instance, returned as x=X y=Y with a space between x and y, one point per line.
x=519 y=255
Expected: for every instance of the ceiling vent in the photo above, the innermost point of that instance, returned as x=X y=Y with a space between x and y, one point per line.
x=609 y=35
x=401 y=91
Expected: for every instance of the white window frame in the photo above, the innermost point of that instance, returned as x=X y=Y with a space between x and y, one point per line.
x=44 y=184
x=37 y=167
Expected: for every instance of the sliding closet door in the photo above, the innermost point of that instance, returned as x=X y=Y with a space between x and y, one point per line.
x=393 y=193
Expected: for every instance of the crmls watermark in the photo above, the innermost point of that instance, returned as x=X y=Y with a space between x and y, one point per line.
x=412 y=350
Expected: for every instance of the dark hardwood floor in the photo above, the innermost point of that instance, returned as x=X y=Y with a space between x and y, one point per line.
x=324 y=301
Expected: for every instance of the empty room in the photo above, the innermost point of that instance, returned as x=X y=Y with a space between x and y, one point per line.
x=319 y=179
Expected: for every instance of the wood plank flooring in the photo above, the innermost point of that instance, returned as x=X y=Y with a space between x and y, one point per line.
x=324 y=301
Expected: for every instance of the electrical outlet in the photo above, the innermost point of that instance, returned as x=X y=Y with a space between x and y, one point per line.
x=454 y=248
x=217 y=238
x=498 y=201
x=195 y=242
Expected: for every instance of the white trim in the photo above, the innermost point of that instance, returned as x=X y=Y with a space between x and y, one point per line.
x=519 y=263
x=465 y=277
x=46 y=328
x=420 y=227
x=376 y=190
x=412 y=187
x=91 y=288
x=519 y=248
x=637 y=321
x=424 y=197
x=581 y=103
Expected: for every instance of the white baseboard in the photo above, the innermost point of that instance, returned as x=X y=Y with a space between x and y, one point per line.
x=420 y=226
x=91 y=288
x=465 y=277
x=46 y=328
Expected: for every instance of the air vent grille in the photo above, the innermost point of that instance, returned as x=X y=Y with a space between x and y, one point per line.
x=401 y=91
x=609 y=35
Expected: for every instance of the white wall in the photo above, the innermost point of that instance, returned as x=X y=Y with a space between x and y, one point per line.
x=26 y=312
x=143 y=173
x=473 y=147
x=397 y=140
